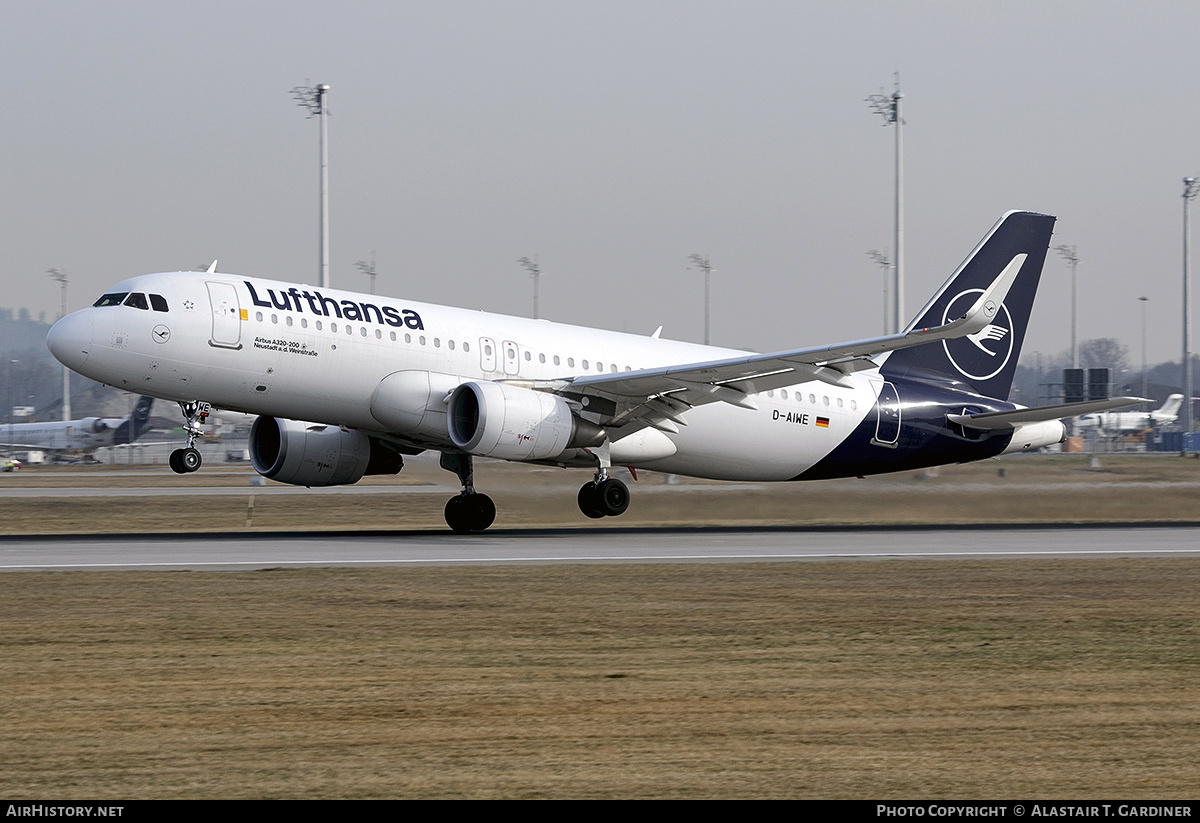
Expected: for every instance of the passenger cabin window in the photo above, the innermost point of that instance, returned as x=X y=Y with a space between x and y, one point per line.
x=115 y=299
x=138 y=301
x=158 y=302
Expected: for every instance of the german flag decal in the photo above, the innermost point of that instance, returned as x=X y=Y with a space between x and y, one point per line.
x=823 y=422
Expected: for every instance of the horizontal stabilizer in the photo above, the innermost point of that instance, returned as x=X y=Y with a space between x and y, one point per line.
x=999 y=421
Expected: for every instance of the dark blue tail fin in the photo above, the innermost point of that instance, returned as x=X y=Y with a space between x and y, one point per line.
x=133 y=427
x=984 y=361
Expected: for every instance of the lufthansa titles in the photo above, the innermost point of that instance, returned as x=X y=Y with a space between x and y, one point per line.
x=293 y=299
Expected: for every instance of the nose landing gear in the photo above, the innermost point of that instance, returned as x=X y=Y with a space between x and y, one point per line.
x=185 y=461
x=188 y=460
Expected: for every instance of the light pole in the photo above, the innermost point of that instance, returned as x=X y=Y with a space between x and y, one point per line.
x=61 y=277
x=368 y=269
x=1143 y=300
x=888 y=107
x=1037 y=358
x=11 y=436
x=313 y=99
x=1191 y=187
x=535 y=271
x=702 y=262
x=882 y=259
x=1071 y=256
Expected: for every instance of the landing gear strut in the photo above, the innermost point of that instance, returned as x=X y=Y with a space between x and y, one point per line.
x=470 y=511
x=186 y=461
x=605 y=496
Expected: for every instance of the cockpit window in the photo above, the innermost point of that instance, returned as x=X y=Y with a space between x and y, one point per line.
x=138 y=301
x=158 y=302
x=115 y=299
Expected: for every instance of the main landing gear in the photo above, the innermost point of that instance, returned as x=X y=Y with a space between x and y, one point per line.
x=605 y=496
x=470 y=511
x=186 y=461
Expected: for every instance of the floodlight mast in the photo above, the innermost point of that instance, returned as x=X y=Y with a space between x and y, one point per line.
x=881 y=258
x=535 y=271
x=368 y=269
x=1143 y=300
x=61 y=277
x=1071 y=256
x=888 y=107
x=702 y=262
x=312 y=98
x=1191 y=187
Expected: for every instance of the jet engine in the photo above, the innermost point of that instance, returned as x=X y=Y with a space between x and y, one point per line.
x=513 y=423
x=313 y=454
x=1029 y=436
x=95 y=425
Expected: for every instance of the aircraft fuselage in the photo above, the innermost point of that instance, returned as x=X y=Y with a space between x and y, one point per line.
x=303 y=353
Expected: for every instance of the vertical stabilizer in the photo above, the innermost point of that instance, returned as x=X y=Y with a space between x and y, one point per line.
x=134 y=426
x=987 y=360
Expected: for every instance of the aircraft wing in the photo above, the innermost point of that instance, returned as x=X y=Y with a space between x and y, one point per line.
x=658 y=396
x=992 y=421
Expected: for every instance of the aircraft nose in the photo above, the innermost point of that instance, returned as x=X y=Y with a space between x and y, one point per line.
x=70 y=340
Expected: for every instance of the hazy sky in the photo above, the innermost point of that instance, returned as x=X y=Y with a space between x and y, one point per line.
x=612 y=139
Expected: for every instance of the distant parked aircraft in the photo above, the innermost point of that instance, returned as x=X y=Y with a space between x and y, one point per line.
x=1116 y=422
x=86 y=434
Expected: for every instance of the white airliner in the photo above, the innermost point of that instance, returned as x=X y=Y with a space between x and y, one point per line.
x=1114 y=422
x=86 y=434
x=382 y=378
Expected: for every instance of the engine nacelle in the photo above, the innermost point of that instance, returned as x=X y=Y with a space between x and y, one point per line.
x=313 y=454
x=412 y=402
x=1030 y=436
x=512 y=423
x=95 y=425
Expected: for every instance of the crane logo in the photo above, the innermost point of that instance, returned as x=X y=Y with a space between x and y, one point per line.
x=984 y=354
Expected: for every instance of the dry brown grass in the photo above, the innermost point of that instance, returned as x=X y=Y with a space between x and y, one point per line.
x=898 y=679
x=890 y=679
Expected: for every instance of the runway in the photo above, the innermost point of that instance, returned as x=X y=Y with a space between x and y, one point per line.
x=248 y=552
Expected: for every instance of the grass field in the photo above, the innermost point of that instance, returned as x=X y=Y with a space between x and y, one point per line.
x=875 y=679
x=888 y=679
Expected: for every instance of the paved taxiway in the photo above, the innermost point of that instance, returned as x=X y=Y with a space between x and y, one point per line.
x=240 y=551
